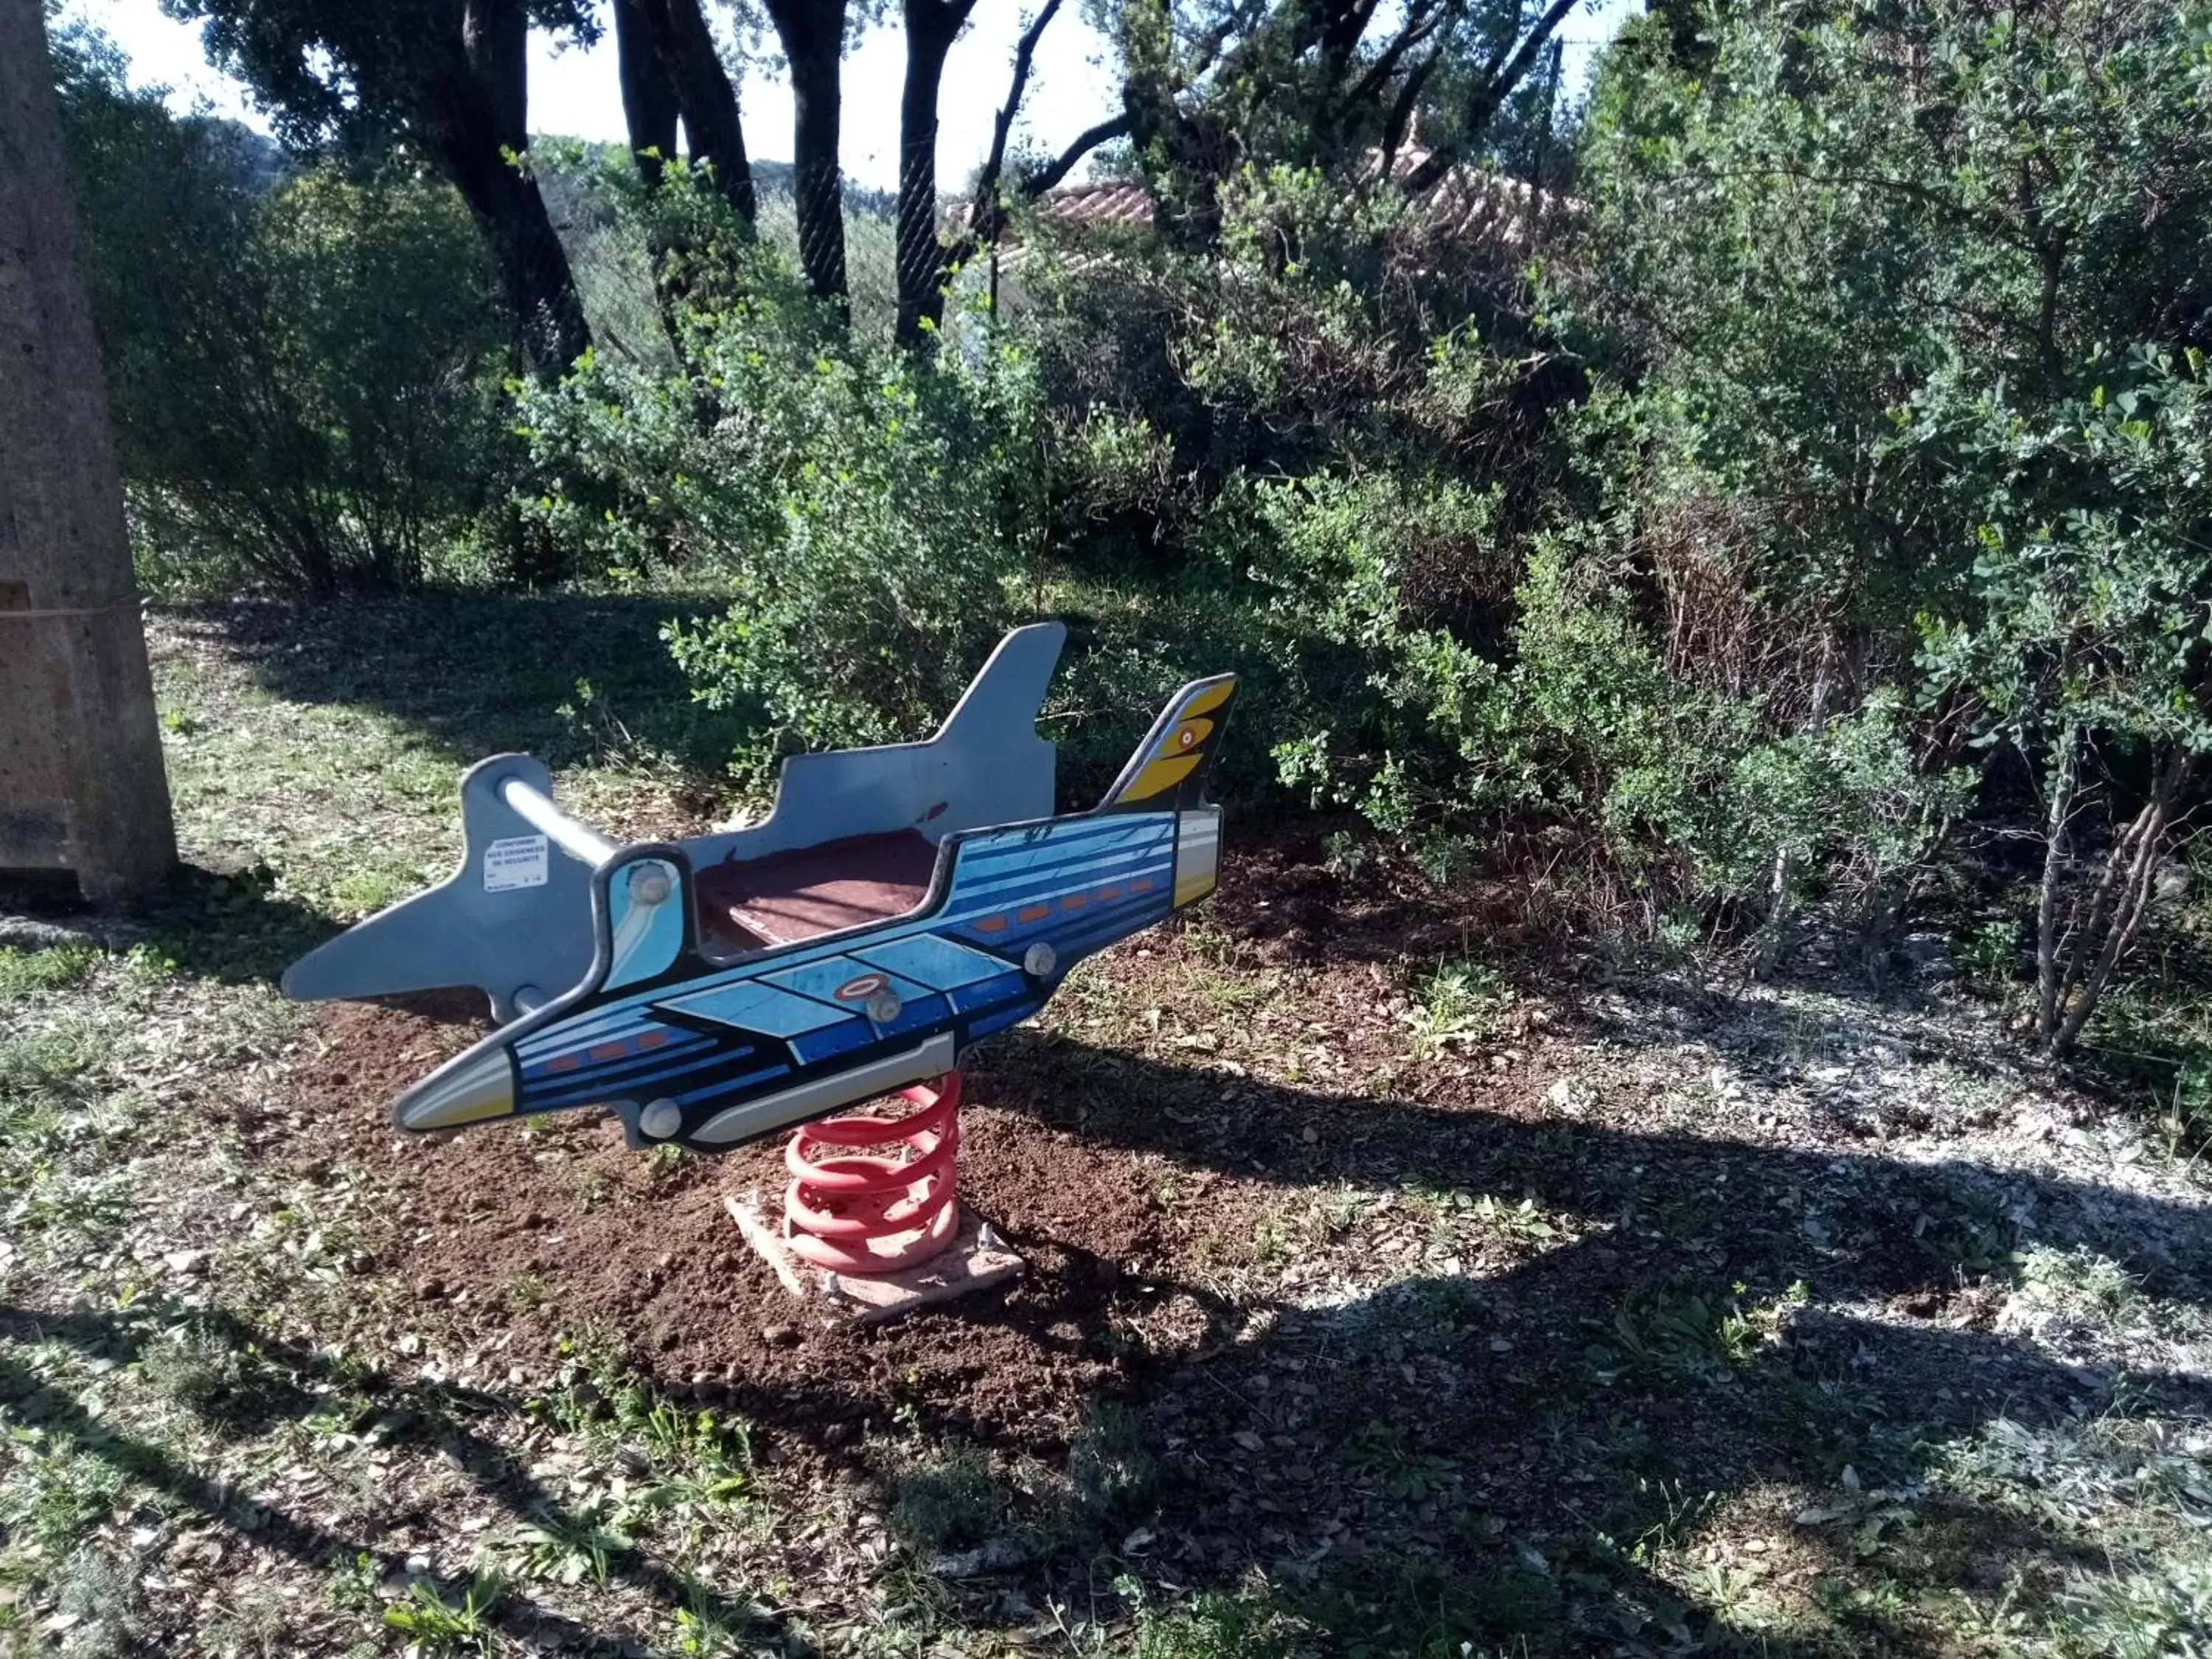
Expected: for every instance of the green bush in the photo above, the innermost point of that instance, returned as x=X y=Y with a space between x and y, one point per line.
x=869 y=513
x=1909 y=305
x=1817 y=496
x=304 y=361
x=1310 y=454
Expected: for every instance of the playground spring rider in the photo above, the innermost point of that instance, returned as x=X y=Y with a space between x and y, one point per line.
x=897 y=904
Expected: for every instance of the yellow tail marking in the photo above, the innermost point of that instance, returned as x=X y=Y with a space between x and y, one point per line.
x=1161 y=774
x=1206 y=702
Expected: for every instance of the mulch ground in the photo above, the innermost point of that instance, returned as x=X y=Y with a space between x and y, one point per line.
x=1364 y=1394
x=644 y=1252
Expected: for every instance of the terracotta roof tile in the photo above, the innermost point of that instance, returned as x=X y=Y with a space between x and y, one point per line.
x=1468 y=203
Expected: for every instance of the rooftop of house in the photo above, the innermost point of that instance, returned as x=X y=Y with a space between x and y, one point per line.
x=1468 y=203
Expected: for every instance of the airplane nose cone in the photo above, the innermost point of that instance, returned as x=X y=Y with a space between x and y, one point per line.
x=466 y=1092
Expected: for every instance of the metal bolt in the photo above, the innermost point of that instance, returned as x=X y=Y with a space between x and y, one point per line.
x=649 y=884
x=1039 y=960
x=661 y=1119
x=884 y=1007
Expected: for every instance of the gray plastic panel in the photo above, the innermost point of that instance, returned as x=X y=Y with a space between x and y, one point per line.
x=987 y=765
x=514 y=920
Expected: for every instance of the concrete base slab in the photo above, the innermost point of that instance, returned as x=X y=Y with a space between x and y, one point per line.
x=976 y=1259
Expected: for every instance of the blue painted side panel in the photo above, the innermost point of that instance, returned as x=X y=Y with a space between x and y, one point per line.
x=988 y=994
x=724 y=1090
x=932 y=959
x=673 y=1047
x=588 y=1089
x=1025 y=872
x=926 y=1012
x=1013 y=1016
x=844 y=1038
x=749 y=1005
x=1073 y=884
x=843 y=982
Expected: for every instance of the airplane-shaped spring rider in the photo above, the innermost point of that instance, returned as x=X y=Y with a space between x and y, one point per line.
x=897 y=904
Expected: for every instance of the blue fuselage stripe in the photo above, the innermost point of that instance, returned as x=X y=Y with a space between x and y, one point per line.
x=1094 y=933
x=715 y=1090
x=1005 y=1017
x=646 y=1086
x=1050 y=884
x=679 y=1044
x=986 y=851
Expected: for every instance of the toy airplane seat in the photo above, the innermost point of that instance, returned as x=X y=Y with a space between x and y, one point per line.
x=897 y=904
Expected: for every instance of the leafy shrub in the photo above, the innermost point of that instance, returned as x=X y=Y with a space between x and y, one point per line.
x=304 y=363
x=1948 y=461
x=867 y=512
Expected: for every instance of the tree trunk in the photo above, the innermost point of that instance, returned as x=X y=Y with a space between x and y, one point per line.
x=711 y=120
x=813 y=36
x=476 y=115
x=649 y=109
x=82 y=786
x=1186 y=160
x=931 y=28
x=2057 y=834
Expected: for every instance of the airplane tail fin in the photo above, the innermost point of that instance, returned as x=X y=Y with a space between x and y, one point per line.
x=1170 y=769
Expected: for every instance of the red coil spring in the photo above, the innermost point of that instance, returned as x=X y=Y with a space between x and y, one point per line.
x=876 y=1212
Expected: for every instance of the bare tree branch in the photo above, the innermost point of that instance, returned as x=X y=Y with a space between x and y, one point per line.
x=1063 y=164
x=987 y=212
x=1420 y=23
x=1494 y=88
x=1207 y=50
x=1401 y=112
x=985 y=209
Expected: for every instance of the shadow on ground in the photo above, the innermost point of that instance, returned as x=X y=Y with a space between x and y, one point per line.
x=486 y=673
x=1485 y=1461
x=1683 y=1332
x=289 y=1381
x=233 y=925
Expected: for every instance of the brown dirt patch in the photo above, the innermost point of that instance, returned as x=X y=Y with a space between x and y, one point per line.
x=514 y=1235
x=1129 y=1168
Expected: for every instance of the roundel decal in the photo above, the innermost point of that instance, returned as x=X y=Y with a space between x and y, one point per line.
x=1186 y=737
x=859 y=989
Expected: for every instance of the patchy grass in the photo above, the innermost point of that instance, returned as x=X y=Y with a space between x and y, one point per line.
x=1458 y=1002
x=26 y=973
x=437 y=1621
x=1112 y=1468
x=947 y=1500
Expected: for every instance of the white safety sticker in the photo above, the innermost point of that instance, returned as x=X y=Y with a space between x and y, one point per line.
x=516 y=861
